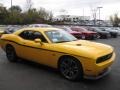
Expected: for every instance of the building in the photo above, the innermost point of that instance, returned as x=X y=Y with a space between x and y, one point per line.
x=71 y=18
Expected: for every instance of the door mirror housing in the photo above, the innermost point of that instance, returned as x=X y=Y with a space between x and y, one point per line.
x=38 y=41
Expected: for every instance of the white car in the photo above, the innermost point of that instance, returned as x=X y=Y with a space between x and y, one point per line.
x=39 y=25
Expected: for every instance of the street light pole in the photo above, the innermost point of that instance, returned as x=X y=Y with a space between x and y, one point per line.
x=11 y=5
x=99 y=14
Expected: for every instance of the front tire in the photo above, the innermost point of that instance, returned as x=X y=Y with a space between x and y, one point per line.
x=11 y=54
x=71 y=68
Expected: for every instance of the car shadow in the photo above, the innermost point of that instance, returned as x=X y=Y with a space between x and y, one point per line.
x=36 y=65
x=56 y=74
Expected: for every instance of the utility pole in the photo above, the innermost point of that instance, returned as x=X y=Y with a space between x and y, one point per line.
x=94 y=11
x=11 y=5
x=83 y=16
x=99 y=8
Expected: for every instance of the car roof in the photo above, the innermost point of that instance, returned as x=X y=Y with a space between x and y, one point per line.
x=40 y=29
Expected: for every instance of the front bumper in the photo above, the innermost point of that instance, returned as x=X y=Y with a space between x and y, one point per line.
x=102 y=74
x=96 y=71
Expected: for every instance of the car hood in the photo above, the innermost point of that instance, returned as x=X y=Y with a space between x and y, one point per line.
x=84 y=48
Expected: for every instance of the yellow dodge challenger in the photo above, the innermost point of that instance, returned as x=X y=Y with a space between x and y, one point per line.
x=75 y=59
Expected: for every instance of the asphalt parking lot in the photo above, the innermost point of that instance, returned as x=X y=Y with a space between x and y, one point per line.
x=28 y=76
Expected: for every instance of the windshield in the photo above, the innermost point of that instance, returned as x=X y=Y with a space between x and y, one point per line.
x=58 y=36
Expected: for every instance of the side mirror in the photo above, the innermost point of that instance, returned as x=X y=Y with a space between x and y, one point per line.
x=38 y=41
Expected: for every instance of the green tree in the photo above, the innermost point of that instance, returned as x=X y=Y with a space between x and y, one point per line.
x=31 y=16
x=44 y=14
x=15 y=9
x=14 y=15
x=3 y=15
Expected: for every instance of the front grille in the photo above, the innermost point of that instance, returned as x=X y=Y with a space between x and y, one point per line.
x=104 y=58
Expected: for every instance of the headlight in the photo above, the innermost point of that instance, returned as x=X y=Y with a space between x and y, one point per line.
x=104 y=58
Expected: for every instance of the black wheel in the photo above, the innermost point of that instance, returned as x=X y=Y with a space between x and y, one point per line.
x=71 y=68
x=11 y=54
x=114 y=36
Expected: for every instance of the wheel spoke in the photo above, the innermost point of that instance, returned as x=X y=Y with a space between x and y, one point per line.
x=69 y=68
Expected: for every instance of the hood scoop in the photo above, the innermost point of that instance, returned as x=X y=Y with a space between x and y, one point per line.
x=78 y=44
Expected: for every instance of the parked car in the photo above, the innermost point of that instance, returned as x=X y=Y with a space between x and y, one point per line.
x=117 y=30
x=113 y=33
x=39 y=25
x=102 y=34
x=11 y=29
x=85 y=32
x=76 y=34
x=56 y=48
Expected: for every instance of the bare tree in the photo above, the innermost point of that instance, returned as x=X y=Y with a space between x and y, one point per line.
x=29 y=5
x=115 y=20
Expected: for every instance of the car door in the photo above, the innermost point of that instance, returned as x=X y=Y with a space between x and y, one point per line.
x=26 y=43
x=31 y=50
x=41 y=52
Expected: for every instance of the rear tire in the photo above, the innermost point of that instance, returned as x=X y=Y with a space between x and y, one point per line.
x=70 y=68
x=11 y=54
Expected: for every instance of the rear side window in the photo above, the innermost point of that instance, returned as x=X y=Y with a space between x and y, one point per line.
x=27 y=35
x=32 y=35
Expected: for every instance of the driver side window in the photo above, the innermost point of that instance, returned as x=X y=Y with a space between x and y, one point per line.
x=39 y=35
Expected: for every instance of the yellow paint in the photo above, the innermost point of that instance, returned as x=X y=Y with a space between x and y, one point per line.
x=49 y=53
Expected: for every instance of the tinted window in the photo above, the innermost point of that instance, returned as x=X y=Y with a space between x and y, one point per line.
x=27 y=35
x=39 y=35
x=32 y=35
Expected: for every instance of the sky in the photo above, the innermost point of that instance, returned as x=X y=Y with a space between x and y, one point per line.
x=73 y=7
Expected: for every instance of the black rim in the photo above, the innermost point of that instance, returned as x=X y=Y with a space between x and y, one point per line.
x=69 y=68
x=10 y=53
